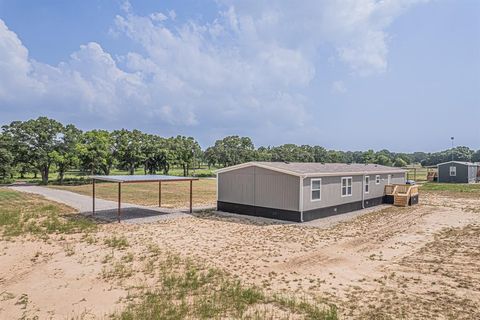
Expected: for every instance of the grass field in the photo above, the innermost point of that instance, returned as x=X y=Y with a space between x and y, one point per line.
x=174 y=194
x=75 y=177
x=22 y=214
x=452 y=187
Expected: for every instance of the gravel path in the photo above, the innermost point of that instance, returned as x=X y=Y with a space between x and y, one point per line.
x=105 y=209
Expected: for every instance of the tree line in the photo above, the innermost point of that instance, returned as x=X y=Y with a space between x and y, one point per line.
x=38 y=145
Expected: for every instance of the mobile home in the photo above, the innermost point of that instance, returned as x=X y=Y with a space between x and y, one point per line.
x=302 y=191
x=458 y=172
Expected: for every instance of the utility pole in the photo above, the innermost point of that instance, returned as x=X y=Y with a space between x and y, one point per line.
x=452 y=138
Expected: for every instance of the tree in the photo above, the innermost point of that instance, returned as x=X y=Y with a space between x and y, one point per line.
x=210 y=157
x=185 y=150
x=66 y=156
x=383 y=160
x=128 y=149
x=232 y=150
x=95 y=152
x=335 y=156
x=6 y=158
x=157 y=156
x=476 y=156
x=292 y=153
x=399 y=162
x=36 y=140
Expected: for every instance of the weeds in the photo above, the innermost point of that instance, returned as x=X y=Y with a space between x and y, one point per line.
x=187 y=291
x=28 y=214
x=117 y=242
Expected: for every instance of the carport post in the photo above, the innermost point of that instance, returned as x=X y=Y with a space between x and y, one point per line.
x=191 y=191
x=159 y=194
x=119 y=200
x=93 y=197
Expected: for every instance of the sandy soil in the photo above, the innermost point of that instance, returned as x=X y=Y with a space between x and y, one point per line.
x=417 y=262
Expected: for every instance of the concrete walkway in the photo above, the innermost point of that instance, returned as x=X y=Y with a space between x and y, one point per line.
x=105 y=209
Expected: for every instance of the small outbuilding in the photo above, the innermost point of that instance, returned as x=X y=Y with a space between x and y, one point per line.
x=303 y=191
x=458 y=172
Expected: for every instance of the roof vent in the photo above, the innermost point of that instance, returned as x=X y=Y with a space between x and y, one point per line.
x=286 y=162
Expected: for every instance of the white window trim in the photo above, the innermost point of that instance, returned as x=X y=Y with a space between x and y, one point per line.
x=311 y=190
x=367 y=185
x=346 y=186
x=389 y=179
x=377 y=179
x=454 y=171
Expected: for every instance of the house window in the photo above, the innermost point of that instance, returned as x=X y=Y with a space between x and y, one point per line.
x=346 y=187
x=453 y=171
x=316 y=189
x=377 y=179
x=367 y=184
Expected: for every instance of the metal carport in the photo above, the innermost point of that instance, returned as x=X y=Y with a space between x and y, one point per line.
x=140 y=179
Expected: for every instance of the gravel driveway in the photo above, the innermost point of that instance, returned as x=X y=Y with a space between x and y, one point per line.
x=105 y=209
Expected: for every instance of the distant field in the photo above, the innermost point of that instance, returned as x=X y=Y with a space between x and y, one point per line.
x=76 y=176
x=174 y=194
x=417 y=174
x=452 y=187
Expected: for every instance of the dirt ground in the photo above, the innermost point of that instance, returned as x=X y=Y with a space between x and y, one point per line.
x=421 y=262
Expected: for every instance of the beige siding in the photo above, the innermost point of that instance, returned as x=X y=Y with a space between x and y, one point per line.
x=237 y=186
x=332 y=193
x=259 y=187
x=276 y=190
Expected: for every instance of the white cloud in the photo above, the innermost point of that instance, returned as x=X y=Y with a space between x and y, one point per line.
x=246 y=69
x=339 y=87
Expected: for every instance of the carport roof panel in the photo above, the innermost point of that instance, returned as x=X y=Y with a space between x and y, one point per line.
x=142 y=178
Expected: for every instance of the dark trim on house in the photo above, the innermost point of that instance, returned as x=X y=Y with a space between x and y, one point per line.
x=341 y=208
x=272 y=213
x=295 y=216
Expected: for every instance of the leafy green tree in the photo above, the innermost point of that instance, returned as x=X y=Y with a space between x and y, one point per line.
x=292 y=153
x=383 y=160
x=95 y=152
x=476 y=156
x=36 y=140
x=210 y=157
x=156 y=153
x=66 y=156
x=263 y=154
x=185 y=151
x=232 y=150
x=368 y=157
x=335 y=157
x=6 y=158
x=399 y=162
x=128 y=149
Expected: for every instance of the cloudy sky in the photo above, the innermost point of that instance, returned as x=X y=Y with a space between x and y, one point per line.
x=352 y=74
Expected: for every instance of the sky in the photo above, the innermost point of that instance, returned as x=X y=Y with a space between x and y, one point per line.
x=403 y=75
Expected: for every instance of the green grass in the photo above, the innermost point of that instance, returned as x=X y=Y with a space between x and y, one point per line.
x=187 y=291
x=28 y=214
x=174 y=194
x=117 y=242
x=451 y=187
x=77 y=177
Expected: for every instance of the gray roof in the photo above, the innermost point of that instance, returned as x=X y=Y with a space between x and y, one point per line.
x=142 y=178
x=316 y=168
x=465 y=163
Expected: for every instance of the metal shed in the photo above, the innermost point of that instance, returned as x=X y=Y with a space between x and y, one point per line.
x=458 y=172
x=302 y=191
